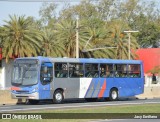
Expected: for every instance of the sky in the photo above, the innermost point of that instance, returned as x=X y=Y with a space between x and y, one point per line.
x=18 y=8
x=31 y=8
x=10 y=7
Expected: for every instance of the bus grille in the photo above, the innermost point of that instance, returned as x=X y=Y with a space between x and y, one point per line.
x=22 y=92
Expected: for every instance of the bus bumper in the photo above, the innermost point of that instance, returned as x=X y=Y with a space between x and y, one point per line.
x=26 y=96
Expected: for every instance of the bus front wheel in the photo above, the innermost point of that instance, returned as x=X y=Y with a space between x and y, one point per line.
x=58 y=97
x=113 y=96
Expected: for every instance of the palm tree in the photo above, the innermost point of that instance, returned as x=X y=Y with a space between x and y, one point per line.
x=66 y=33
x=98 y=44
x=120 y=40
x=50 y=45
x=94 y=33
x=20 y=38
x=1 y=36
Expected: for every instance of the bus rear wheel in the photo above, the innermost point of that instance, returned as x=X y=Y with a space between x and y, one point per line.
x=33 y=102
x=58 y=97
x=113 y=96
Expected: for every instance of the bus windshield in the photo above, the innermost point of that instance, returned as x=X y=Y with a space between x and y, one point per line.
x=25 y=74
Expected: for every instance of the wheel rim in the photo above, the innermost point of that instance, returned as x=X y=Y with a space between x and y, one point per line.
x=58 y=97
x=114 y=95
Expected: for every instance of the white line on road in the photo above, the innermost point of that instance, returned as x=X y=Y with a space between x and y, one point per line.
x=78 y=106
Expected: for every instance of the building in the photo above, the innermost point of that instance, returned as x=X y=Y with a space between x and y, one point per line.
x=5 y=72
x=150 y=58
x=151 y=61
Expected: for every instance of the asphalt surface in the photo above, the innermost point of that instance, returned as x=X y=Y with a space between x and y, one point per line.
x=10 y=110
x=74 y=104
x=129 y=120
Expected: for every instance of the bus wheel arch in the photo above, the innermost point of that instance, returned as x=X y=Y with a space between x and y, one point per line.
x=58 y=96
x=113 y=94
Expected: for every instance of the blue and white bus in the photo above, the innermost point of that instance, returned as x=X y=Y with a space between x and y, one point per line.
x=43 y=78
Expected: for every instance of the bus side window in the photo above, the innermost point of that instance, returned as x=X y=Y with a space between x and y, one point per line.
x=91 y=70
x=106 y=70
x=76 y=70
x=61 y=70
x=120 y=70
x=134 y=70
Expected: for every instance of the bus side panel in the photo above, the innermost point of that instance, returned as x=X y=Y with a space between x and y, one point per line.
x=84 y=86
x=99 y=88
x=129 y=86
x=109 y=84
x=44 y=92
x=93 y=88
x=45 y=89
x=69 y=85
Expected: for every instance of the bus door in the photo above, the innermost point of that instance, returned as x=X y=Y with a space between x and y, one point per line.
x=46 y=77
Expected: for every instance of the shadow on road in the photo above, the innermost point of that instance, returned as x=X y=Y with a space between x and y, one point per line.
x=69 y=101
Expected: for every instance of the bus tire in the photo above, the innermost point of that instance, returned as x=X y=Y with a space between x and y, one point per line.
x=33 y=102
x=113 y=96
x=58 y=97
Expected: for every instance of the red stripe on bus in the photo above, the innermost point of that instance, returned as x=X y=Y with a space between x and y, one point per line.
x=103 y=89
x=15 y=88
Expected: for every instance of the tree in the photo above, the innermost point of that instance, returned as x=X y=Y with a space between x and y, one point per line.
x=142 y=16
x=97 y=43
x=48 y=13
x=66 y=33
x=50 y=45
x=85 y=10
x=107 y=9
x=1 y=36
x=20 y=39
x=128 y=10
x=120 y=40
x=102 y=23
x=149 y=36
x=155 y=70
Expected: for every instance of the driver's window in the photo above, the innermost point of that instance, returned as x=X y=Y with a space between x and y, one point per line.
x=46 y=73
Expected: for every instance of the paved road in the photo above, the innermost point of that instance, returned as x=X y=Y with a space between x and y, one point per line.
x=129 y=120
x=74 y=104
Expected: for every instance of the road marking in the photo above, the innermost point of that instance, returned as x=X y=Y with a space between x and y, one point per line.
x=78 y=106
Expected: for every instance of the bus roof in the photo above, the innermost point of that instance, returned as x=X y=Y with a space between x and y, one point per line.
x=83 y=60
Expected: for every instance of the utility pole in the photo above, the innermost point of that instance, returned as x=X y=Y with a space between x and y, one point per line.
x=77 y=38
x=129 y=42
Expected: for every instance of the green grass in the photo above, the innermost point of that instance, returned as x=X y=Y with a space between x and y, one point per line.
x=144 y=108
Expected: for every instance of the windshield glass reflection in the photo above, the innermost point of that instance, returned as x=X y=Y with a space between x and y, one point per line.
x=25 y=74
